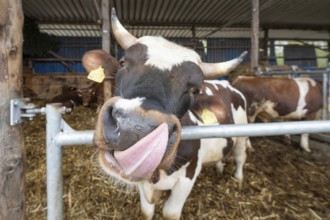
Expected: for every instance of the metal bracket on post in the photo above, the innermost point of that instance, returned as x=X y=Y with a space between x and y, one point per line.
x=22 y=110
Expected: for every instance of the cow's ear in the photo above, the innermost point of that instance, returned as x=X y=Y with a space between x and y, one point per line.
x=95 y=59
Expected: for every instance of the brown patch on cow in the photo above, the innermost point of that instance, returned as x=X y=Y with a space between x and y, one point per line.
x=223 y=99
x=228 y=148
x=193 y=163
x=187 y=152
x=260 y=89
x=155 y=177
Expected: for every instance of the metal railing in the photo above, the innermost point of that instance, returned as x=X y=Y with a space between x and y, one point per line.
x=59 y=133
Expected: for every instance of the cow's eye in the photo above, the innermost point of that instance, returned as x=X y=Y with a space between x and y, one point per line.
x=194 y=91
x=122 y=62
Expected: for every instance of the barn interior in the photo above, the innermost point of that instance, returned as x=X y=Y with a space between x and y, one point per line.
x=285 y=38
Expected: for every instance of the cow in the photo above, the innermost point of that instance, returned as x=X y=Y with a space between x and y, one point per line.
x=69 y=99
x=159 y=89
x=72 y=97
x=91 y=95
x=92 y=60
x=282 y=98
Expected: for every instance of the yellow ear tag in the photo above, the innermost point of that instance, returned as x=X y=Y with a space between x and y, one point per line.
x=97 y=75
x=209 y=117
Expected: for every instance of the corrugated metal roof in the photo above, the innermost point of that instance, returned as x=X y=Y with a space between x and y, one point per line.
x=177 y=18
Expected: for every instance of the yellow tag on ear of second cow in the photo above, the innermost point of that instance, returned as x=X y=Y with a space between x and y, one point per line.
x=97 y=75
x=209 y=117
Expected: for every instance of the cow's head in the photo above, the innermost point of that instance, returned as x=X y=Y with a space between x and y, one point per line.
x=138 y=130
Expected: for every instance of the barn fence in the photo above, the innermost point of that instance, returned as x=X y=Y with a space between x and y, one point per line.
x=59 y=134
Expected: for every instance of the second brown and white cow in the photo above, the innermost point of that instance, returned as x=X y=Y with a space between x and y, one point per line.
x=159 y=89
x=282 y=98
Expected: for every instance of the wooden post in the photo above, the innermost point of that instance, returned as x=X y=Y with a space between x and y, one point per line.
x=106 y=43
x=12 y=155
x=255 y=36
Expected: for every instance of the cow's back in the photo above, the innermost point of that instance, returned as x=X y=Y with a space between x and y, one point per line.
x=259 y=89
x=280 y=97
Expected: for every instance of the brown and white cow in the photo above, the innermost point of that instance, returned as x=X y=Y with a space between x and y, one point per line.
x=68 y=98
x=72 y=97
x=159 y=89
x=92 y=60
x=91 y=95
x=282 y=98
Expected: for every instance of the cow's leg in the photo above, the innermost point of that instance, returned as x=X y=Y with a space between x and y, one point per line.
x=249 y=145
x=287 y=139
x=240 y=157
x=179 y=193
x=147 y=208
x=220 y=167
x=253 y=111
x=304 y=139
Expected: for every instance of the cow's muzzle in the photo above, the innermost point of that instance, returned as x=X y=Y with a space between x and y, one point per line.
x=134 y=142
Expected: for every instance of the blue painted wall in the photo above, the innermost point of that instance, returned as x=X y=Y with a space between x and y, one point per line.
x=74 y=48
x=70 y=48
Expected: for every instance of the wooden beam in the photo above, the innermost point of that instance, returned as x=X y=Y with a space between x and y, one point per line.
x=12 y=154
x=255 y=36
x=62 y=61
x=106 y=43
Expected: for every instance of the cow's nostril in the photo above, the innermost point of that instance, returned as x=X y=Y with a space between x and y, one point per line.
x=111 y=128
x=108 y=116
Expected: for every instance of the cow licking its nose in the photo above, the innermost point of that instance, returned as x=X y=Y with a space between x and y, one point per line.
x=134 y=142
x=122 y=127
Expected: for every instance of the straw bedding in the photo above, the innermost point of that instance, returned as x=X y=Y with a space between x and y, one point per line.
x=281 y=182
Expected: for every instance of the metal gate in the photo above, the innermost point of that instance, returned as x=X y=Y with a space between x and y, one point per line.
x=59 y=133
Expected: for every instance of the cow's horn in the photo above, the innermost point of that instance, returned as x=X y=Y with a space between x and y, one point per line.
x=123 y=37
x=214 y=70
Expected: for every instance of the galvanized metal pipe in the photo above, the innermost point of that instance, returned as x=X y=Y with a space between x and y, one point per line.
x=74 y=137
x=214 y=131
x=54 y=164
x=58 y=134
x=257 y=129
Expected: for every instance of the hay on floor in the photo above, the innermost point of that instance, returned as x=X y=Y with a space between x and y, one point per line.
x=281 y=182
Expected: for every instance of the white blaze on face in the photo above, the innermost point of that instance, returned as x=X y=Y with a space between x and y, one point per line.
x=164 y=54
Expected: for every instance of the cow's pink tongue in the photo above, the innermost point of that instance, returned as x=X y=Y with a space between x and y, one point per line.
x=143 y=157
